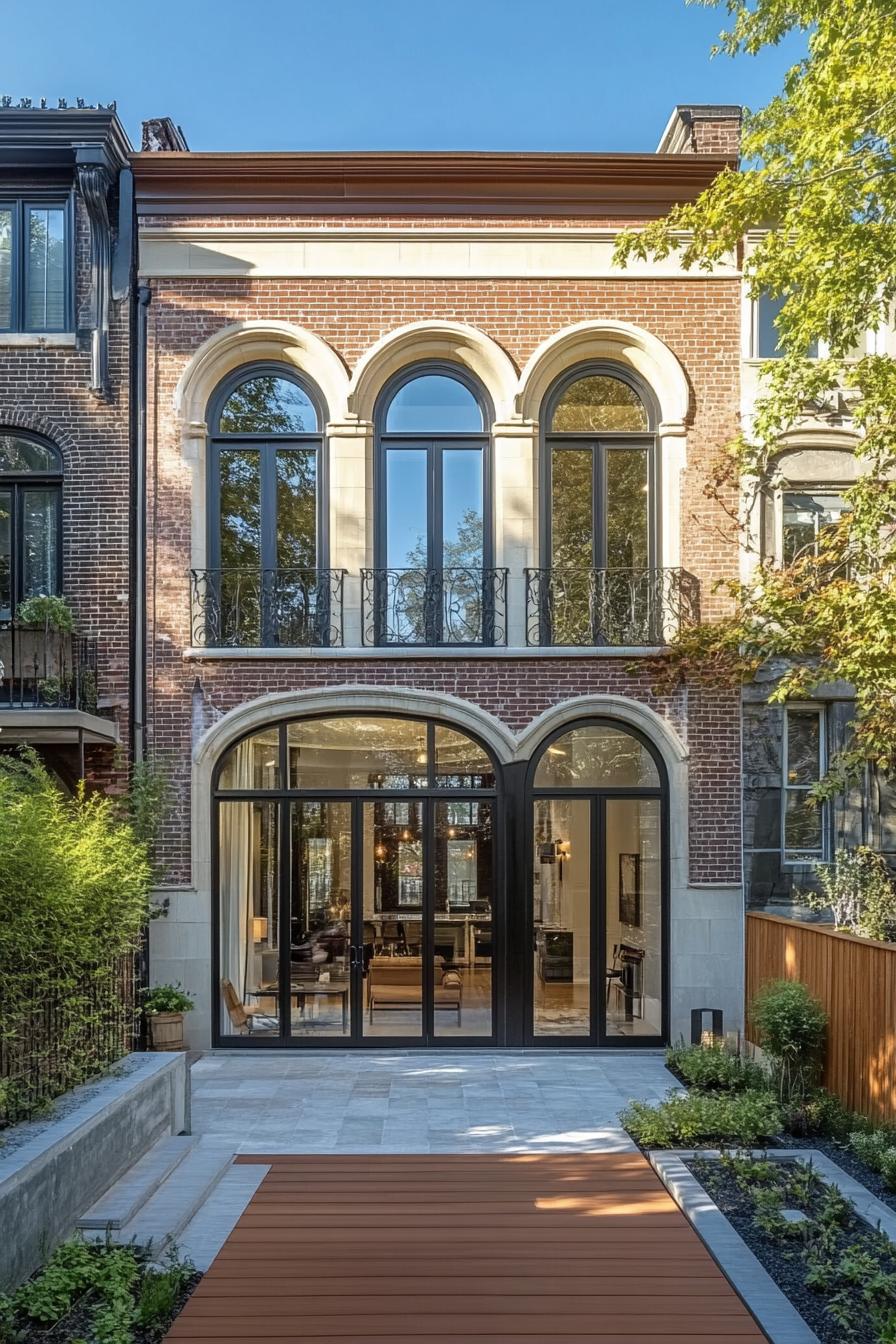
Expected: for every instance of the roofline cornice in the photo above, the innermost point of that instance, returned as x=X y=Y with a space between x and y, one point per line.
x=636 y=185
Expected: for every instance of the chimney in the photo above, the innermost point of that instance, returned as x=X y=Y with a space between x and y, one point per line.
x=703 y=128
x=160 y=133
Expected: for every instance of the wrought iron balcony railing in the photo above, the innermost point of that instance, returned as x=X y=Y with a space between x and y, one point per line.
x=633 y=608
x=431 y=608
x=42 y=668
x=266 y=608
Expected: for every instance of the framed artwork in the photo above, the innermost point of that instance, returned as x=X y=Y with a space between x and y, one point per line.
x=630 y=890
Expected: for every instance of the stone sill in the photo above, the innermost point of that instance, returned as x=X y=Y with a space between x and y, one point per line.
x=56 y=340
x=397 y=652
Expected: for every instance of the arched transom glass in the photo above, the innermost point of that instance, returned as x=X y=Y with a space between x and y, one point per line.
x=599 y=402
x=268 y=404
x=434 y=403
x=357 y=752
x=30 y=520
x=597 y=756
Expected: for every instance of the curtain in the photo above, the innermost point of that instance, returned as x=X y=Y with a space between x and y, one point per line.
x=235 y=872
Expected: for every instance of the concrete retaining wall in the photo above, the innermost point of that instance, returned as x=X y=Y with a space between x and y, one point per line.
x=48 y=1180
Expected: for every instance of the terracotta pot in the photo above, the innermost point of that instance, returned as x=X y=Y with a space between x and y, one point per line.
x=167 y=1031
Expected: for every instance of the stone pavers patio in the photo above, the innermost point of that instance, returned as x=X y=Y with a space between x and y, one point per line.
x=465 y=1101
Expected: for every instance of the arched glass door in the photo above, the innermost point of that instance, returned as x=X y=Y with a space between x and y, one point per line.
x=598 y=903
x=356 y=869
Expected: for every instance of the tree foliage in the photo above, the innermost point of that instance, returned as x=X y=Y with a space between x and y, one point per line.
x=820 y=187
x=74 y=888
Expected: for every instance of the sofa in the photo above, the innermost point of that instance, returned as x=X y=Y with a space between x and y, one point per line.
x=397 y=983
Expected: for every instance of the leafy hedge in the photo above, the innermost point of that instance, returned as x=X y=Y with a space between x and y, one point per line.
x=74 y=887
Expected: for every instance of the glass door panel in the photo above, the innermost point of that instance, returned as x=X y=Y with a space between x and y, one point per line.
x=464 y=887
x=250 y=933
x=403 y=608
x=462 y=546
x=392 y=904
x=40 y=541
x=238 y=598
x=570 y=617
x=634 y=917
x=562 y=899
x=320 y=887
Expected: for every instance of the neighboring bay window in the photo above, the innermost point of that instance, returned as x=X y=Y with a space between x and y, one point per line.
x=35 y=266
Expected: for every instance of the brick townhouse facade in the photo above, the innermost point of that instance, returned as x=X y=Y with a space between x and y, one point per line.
x=66 y=489
x=425 y=497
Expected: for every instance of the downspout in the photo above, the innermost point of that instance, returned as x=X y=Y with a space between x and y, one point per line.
x=138 y=529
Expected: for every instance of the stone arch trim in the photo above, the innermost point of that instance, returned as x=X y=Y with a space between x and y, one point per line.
x=251 y=342
x=625 y=712
x=622 y=342
x=453 y=342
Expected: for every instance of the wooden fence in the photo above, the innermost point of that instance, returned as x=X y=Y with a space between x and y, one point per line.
x=855 y=979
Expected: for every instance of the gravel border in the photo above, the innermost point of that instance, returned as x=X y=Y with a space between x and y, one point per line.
x=775 y=1314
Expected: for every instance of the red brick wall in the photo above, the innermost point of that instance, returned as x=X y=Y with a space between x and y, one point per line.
x=698 y=318
x=47 y=390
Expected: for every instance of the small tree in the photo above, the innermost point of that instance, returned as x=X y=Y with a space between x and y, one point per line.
x=791 y=1025
x=860 y=892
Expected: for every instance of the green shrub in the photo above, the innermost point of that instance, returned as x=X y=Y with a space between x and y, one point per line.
x=870 y=1148
x=47 y=609
x=744 y=1119
x=74 y=889
x=714 y=1068
x=166 y=999
x=859 y=890
x=792 y=1025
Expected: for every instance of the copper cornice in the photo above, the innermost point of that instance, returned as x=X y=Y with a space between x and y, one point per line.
x=580 y=185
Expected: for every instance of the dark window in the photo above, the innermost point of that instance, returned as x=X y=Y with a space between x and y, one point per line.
x=805 y=515
x=30 y=517
x=765 y=328
x=804 y=819
x=35 y=266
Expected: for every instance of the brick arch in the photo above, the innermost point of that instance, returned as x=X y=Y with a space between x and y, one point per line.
x=28 y=422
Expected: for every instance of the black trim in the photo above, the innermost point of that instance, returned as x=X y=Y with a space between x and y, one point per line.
x=17 y=483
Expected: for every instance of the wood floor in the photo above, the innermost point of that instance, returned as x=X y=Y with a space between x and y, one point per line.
x=578 y=1248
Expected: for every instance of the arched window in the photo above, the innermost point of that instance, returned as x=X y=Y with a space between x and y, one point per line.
x=30 y=519
x=599 y=525
x=433 y=582
x=266 y=515
x=356 y=859
x=599 y=904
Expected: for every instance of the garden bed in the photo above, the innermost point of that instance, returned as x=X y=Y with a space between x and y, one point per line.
x=93 y=1291
x=834 y=1267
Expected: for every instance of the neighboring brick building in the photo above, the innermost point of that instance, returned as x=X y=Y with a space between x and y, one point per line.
x=66 y=281
x=425 y=495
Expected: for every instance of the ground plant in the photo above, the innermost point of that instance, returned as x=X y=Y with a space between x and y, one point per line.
x=838 y=1271
x=166 y=999
x=714 y=1068
x=695 y=1118
x=104 y=1294
x=74 y=889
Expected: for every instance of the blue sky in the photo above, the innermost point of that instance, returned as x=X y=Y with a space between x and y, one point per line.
x=385 y=74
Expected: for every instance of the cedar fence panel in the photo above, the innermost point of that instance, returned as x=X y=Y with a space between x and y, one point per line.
x=855 y=979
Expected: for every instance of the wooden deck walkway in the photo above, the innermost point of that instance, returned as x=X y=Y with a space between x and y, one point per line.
x=587 y=1249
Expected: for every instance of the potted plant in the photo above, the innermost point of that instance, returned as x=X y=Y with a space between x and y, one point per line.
x=164 y=1006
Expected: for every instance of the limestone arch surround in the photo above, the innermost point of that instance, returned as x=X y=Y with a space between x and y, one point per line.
x=243 y=343
x=656 y=365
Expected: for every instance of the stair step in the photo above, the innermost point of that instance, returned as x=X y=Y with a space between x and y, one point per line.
x=176 y=1200
x=126 y=1197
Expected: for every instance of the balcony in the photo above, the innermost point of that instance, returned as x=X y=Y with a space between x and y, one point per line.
x=613 y=608
x=266 y=609
x=42 y=668
x=460 y=607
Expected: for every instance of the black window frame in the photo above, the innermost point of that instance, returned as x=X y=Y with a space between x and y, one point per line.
x=600 y=443
x=268 y=474
x=435 y=445
x=21 y=205
x=18 y=482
